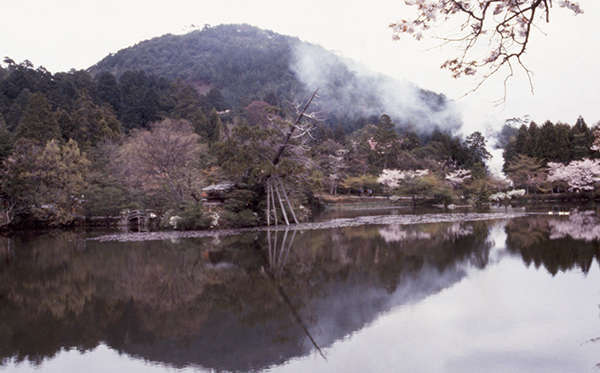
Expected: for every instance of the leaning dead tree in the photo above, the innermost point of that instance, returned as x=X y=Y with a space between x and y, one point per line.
x=294 y=142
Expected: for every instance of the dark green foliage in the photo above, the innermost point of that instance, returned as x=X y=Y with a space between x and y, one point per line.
x=144 y=99
x=581 y=139
x=549 y=143
x=213 y=127
x=13 y=109
x=107 y=90
x=214 y=99
x=475 y=144
x=240 y=199
x=45 y=181
x=193 y=217
x=6 y=140
x=38 y=122
x=104 y=113
x=241 y=219
x=234 y=65
x=92 y=124
x=244 y=62
x=239 y=209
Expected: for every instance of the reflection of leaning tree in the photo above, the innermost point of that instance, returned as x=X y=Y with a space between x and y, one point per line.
x=292 y=147
x=278 y=252
x=276 y=260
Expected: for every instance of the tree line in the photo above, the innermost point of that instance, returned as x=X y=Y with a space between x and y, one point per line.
x=553 y=157
x=74 y=145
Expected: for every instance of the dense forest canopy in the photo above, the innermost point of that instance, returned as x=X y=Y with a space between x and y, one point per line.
x=551 y=156
x=246 y=64
x=76 y=144
x=214 y=115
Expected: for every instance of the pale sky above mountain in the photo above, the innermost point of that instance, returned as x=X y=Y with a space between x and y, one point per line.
x=65 y=34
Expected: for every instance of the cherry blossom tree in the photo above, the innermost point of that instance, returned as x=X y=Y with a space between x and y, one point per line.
x=394 y=178
x=492 y=35
x=459 y=176
x=580 y=175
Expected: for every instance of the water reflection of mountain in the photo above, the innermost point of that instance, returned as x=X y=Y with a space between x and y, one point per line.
x=213 y=303
x=557 y=243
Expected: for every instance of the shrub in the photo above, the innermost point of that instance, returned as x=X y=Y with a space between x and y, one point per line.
x=194 y=217
x=244 y=218
x=239 y=199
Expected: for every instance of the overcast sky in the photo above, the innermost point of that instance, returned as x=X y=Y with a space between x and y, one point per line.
x=65 y=34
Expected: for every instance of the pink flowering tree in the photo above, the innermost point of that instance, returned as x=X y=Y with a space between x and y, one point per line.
x=393 y=179
x=458 y=177
x=415 y=183
x=580 y=176
x=491 y=35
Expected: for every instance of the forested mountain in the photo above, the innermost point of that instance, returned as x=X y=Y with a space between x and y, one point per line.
x=155 y=125
x=246 y=63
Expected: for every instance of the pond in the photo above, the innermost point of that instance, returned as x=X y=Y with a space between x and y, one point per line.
x=501 y=295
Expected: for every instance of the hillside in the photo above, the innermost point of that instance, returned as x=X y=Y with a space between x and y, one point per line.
x=246 y=63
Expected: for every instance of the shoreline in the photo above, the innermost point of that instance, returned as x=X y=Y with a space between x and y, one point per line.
x=330 y=224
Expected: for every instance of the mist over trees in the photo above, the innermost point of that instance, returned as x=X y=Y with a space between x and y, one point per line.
x=245 y=64
x=117 y=139
x=75 y=145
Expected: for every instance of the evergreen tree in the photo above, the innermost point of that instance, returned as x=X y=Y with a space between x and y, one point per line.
x=581 y=139
x=68 y=128
x=6 y=140
x=522 y=140
x=214 y=127
x=16 y=109
x=107 y=90
x=546 y=141
x=93 y=124
x=214 y=99
x=45 y=182
x=38 y=121
x=561 y=144
x=532 y=148
x=188 y=105
x=475 y=144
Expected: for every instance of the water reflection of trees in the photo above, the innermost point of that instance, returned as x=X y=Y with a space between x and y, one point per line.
x=209 y=302
x=557 y=243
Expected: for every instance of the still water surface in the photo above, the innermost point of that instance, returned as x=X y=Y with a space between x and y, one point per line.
x=518 y=295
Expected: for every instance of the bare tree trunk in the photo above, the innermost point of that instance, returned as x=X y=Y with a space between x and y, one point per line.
x=287 y=222
x=273 y=203
x=291 y=132
x=269 y=206
x=287 y=200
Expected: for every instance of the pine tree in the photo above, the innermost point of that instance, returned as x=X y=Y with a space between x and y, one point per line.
x=522 y=140
x=214 y=127
x=532 y=147
x=547 y=138
x=581 y=140
x=38 y=122
x=6 y=140
x=92 y=124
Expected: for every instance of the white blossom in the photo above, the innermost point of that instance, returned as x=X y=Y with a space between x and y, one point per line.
x=501 y=196
x=393 y=178
x=579 y=175
x=580 y=226
x=459 y=176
